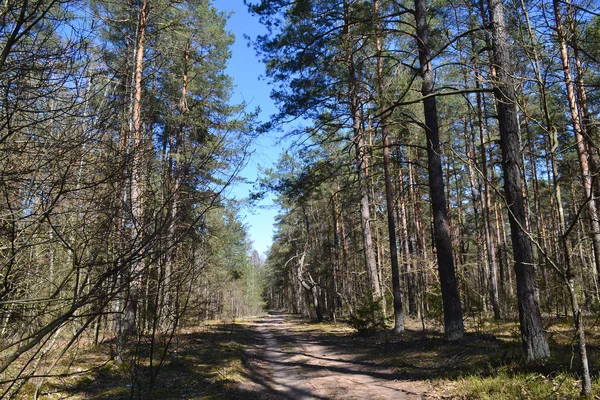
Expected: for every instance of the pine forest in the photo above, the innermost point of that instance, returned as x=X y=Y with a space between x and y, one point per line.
x=438 y=191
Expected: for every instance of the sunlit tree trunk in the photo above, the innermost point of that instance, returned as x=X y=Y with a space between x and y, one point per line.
x=588 y=131
x=582 y=152
x=453 y=322
x=131 y=310
x=490 y=242
x=361 y=166
x=533 y=337
x=420 y=238
x=389 y=195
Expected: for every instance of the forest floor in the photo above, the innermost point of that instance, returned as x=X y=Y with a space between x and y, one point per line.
x=280 y=356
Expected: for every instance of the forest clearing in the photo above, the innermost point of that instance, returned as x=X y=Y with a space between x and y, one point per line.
x=416 y=182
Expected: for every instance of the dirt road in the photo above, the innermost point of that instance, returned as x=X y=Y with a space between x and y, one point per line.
x=292 y=362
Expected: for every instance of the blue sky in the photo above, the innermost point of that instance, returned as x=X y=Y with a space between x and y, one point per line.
x=245 y=69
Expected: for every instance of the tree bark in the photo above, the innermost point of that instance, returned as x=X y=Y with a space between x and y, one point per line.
x=389 y=195
x=487 y=203
x=453 y=323
x=365 y=214
x=131 y=309
x=406 y=243
x=361 y=167
x=535 y=345
x=420 y=239
x=582 y=148
x=582 y=152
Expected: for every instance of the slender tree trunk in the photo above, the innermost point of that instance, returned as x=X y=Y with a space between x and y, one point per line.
x=569 y=277
x=345 y=273
x=590 y=133
x=478 y=203
x=590 y=129
x=453 y=322
x=535 y=346
x=458 y=233
x=135 y=286
x=538 y=215
x=420 y=240
x=406 y=243
x=389 y=195
x=175 y=179
x=389 y=198
x=361 y=166
x=487 y=202
x=365 y=215
x=336 y=264
x=549 y=244
x=582 y=150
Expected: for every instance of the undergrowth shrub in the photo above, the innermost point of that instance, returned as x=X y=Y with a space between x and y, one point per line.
x=368 y=317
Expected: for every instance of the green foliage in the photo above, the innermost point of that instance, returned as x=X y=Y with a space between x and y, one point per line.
x=232 y=275
x=368 y=317
x=435 y=311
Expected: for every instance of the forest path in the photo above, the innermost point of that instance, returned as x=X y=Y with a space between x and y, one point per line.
x=290 y=361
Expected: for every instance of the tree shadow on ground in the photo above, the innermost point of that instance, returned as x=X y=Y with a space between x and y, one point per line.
x=418 y=355
x=428 y=356
x=226 y=361
x=204 y=363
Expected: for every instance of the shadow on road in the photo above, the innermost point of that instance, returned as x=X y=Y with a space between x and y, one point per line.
x=281 y=356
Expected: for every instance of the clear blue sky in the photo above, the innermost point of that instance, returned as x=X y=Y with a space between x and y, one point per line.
x=245 y=69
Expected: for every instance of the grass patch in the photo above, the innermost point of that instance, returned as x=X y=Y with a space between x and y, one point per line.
x=500 y=373
x=487 y=363
x=520 y=386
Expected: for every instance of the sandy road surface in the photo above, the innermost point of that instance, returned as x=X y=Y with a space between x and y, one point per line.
x=288 y=363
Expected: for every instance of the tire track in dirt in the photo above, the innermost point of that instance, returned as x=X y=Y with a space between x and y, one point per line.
x=290 y=364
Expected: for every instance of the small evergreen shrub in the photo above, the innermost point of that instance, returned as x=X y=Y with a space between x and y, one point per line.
x=368 y=317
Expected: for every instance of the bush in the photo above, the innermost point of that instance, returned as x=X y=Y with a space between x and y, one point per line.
x=368 y=317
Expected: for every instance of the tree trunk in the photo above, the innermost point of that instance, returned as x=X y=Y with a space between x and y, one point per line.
x=582 y=150
x=487 y=203
x=389 y=195
x=135 y=286
x=535 y=346
x=591 y=203
x=420 y=239
x=406 y=244
x=345 y=273
x=453 y=322
x=361 y=166
x=590 y=129
x=365 y=215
